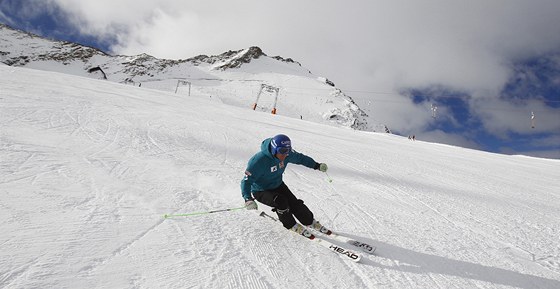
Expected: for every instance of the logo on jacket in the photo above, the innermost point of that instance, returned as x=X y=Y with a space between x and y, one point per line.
x=273 y=169
x=247 y=175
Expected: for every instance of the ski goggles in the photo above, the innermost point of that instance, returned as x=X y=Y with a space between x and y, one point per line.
x=283 y=150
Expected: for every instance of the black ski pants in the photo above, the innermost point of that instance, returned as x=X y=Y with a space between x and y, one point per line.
x=286 y=206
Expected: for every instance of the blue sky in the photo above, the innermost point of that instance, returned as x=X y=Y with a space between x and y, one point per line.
x=51 y=22
x=486 y=65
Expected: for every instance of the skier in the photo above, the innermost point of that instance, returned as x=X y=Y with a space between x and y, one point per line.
x=263 y=181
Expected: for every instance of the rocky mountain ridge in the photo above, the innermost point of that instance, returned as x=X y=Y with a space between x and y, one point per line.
x=23 y=49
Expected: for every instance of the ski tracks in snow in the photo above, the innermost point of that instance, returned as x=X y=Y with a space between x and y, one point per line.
x=102 y=163
x=381 y=224
x=118 y=251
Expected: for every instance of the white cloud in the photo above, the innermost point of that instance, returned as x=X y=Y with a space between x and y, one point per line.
x=464 y=44
x=500 y=117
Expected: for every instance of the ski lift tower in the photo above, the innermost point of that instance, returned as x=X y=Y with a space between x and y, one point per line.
x=434 y=110
x=269 y=89
x=183 y=82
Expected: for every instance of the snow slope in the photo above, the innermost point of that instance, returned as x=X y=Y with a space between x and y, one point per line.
x=88 y=168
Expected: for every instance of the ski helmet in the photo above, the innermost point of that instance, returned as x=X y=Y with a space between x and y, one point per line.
x=281 y=144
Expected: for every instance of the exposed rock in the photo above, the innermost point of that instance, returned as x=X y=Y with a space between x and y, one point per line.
x=30 y=48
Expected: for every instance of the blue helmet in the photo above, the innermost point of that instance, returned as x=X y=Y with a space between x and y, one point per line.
x=280 y=144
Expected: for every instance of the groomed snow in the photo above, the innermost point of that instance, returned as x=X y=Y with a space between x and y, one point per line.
x=89 y=167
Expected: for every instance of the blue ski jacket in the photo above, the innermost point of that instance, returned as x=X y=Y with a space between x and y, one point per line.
x=264 y=171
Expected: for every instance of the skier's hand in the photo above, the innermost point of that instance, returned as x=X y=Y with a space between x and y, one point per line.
x=323 y=167
x=250 y=204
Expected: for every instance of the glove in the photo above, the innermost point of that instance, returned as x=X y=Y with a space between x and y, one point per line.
x=250 y=204
x=323 y=167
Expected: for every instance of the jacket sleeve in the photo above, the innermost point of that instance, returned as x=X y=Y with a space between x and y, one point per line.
x=246 y=183
x=301 y=159
x=251 y=174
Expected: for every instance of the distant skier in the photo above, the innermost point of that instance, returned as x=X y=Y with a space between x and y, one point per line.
x=263 y=179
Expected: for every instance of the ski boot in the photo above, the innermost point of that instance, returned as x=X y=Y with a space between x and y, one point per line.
x=299 y=229
x=317 y=226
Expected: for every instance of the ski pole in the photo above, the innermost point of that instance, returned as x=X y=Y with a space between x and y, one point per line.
x=167 y=216
x=328 y=177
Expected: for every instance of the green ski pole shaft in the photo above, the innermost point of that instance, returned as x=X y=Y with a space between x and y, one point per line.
x=328 y=177
x=166 y=216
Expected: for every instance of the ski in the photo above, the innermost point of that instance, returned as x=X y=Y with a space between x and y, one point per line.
x=361 y=245
x=367 y=248
x=341 y=251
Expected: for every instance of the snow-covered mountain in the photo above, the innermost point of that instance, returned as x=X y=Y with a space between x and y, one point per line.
x=242 y=78
x=88 y=168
